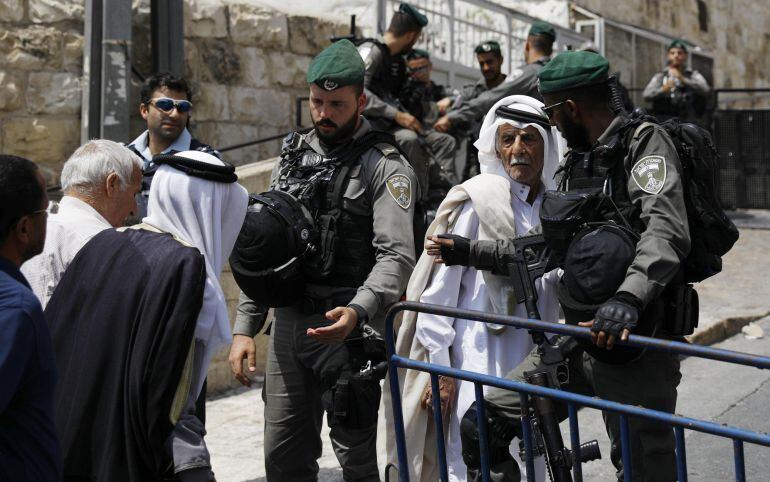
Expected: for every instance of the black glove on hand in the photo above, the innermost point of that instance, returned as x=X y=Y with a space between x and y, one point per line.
x=459 y=253
x=618 y=313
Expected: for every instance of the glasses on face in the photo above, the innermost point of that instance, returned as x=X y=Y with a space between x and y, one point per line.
x=167 y=105
x=416 y=70
x=549 y=108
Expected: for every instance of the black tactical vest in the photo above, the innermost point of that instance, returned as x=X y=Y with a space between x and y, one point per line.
x=602 y=171
x=334 y=191
x=392 y=76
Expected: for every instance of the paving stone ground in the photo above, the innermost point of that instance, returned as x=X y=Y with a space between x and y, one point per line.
x=235 y=424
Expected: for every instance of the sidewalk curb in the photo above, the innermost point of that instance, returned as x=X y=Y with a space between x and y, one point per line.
x=723 y=329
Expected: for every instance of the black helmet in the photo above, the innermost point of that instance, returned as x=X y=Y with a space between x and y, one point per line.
x=595 y=266
x=267 y=257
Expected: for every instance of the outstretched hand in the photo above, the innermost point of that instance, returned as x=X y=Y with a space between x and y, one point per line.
x=344 y=318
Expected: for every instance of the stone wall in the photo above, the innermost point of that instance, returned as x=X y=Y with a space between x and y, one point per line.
x=246 y=64
x=41 y=51
x=247 y=67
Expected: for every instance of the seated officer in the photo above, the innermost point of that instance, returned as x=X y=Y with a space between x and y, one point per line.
x=386 y=78
x=678 y=91
x=616 y=281
x=420 y=98
x=166 y=107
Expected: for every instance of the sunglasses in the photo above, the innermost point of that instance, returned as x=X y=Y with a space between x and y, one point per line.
x=415 y=70
x=167 y=105
x=548 y=109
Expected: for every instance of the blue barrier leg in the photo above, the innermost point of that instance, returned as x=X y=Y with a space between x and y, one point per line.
x=681 y=455
x=481 y=420
x=526 y=432
x=625 y=445
x=574 y=432
x=740 y=469
x=439 y=427
x=398 y=421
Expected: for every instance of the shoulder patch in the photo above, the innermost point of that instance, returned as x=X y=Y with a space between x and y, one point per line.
x=400 y=188
x=649 y=173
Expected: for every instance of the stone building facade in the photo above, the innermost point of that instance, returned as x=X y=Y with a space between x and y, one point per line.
x=41 y=65
x=246 y=65
x=737 y=32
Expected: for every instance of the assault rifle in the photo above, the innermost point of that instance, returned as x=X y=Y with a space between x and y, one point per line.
x=530 y=260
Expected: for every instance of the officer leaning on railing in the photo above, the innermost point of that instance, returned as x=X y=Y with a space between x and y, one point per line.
x=621 y=275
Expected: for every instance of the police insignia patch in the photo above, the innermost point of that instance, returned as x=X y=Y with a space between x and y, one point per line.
x=649 y=173
x=400 y=188
x=330 y=84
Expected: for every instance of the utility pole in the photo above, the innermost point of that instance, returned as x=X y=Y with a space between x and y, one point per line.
x=167 y=26
x=106 y=70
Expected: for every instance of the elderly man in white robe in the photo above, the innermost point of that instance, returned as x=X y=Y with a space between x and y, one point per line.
x=519 y=154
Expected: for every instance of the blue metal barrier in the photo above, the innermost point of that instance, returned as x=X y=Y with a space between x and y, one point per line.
x=573 y=400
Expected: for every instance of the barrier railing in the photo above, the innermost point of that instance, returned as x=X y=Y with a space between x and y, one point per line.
x=573 y=400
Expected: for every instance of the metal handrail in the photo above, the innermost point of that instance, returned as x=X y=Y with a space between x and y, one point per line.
x=739 y=436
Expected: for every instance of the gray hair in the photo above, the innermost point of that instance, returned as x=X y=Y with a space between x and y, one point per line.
x=88 y=167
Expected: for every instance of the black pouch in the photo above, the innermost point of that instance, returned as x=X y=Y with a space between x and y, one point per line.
x=562 y=214
x=682 y=310
x=321 y=263
x=353 y=401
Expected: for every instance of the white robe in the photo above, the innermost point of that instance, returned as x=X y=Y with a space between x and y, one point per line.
x=468 y=345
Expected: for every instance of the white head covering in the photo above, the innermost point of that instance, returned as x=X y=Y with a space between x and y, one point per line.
x=209 y=216
x=553 y=151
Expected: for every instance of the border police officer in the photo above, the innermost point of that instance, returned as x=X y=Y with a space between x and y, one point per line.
x=678 y=91
x=629 y=175
x=363 y=208
x=385 y=79
x=523 y=81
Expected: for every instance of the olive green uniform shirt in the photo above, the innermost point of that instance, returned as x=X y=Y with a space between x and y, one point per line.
x=369 y=192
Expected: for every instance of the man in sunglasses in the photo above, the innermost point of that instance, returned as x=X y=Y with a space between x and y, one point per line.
x=28 y=441
x=166 y=107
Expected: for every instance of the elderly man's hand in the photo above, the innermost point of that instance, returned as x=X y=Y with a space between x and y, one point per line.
x=443 y=124
x=447 y=391
x=408 y=121
x=449 y=249
x=345 y=319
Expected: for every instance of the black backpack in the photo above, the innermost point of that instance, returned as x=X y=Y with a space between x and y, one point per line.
x=712 y=233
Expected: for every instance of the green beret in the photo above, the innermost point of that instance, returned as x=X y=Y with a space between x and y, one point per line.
x=572 y=69
x=337 y=65
x=409 y=9
x=417 y=54
x=488 y=46
x=678 y=43
x=542 y=28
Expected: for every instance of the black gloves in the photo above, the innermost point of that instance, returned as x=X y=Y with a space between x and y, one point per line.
x=457 y=254
x=618 y=313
